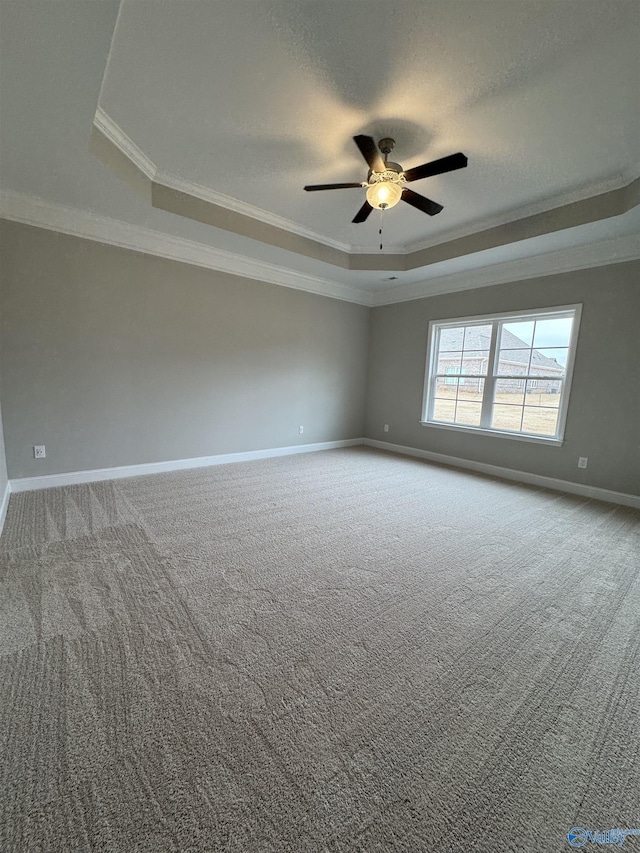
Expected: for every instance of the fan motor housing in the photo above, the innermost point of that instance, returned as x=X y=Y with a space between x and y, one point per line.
x=389 y=167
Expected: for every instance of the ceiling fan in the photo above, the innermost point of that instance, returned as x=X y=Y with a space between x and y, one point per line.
x=386 y=179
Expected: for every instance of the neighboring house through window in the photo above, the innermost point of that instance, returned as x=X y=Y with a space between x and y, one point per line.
x=506 y=374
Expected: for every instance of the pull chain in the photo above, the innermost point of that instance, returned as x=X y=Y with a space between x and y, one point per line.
x=380 y=229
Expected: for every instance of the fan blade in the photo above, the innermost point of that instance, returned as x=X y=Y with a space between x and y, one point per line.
x=436 y=167
x=362 y=214
x=422 y=203
x=369 y=151
x=316 y=187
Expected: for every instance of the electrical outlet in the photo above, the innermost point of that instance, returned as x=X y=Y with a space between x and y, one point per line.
x=386 y=427
x=582 y=461
x=300 y=429
x=39 y=451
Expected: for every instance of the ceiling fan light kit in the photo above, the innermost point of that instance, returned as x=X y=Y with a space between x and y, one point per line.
x=384 y=194
x=385 y=181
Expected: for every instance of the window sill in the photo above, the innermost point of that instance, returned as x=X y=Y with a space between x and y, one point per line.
x=534 y=439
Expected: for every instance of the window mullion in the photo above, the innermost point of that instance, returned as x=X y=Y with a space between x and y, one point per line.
x=490 y=381
x=432 y=360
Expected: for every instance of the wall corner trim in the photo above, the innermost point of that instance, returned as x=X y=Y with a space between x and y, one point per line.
x=4 y=504
x=50 y=481
x=593 y=492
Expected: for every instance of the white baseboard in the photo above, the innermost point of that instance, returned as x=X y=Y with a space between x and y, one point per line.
x=511 y=474
x=4 y=503
x=49 y=481
x=26 y=484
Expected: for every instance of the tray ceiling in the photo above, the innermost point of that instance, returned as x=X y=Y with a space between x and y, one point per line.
x=253 y=100
x=239 y=104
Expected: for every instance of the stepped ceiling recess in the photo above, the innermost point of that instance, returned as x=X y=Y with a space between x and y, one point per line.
x=190 y=129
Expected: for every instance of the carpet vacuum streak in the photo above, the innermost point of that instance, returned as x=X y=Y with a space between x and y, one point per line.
x=331 y=652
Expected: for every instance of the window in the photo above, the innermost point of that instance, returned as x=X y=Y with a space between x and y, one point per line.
x=508 y=374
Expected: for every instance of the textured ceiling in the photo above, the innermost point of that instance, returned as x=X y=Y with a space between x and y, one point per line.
x=253 y=99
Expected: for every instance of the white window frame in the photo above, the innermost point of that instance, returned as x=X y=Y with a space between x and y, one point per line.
x=497 y=321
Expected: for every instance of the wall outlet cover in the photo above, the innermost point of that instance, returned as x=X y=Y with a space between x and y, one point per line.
x=39 y=451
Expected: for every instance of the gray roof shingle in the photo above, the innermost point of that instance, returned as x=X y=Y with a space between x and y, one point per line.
x=479 y=337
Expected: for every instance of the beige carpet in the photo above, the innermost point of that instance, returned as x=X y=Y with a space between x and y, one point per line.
x=342 y=651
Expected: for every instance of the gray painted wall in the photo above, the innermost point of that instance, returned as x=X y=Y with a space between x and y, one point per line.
x=111 y=357
x=4 y=480
x=603 y=421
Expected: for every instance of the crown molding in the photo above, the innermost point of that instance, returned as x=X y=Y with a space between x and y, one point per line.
x=616 y=182
x=365 y=248
x=29 y=210
x=606 y=198
x=213 y=197
x=115 y=134
x=615 y=250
